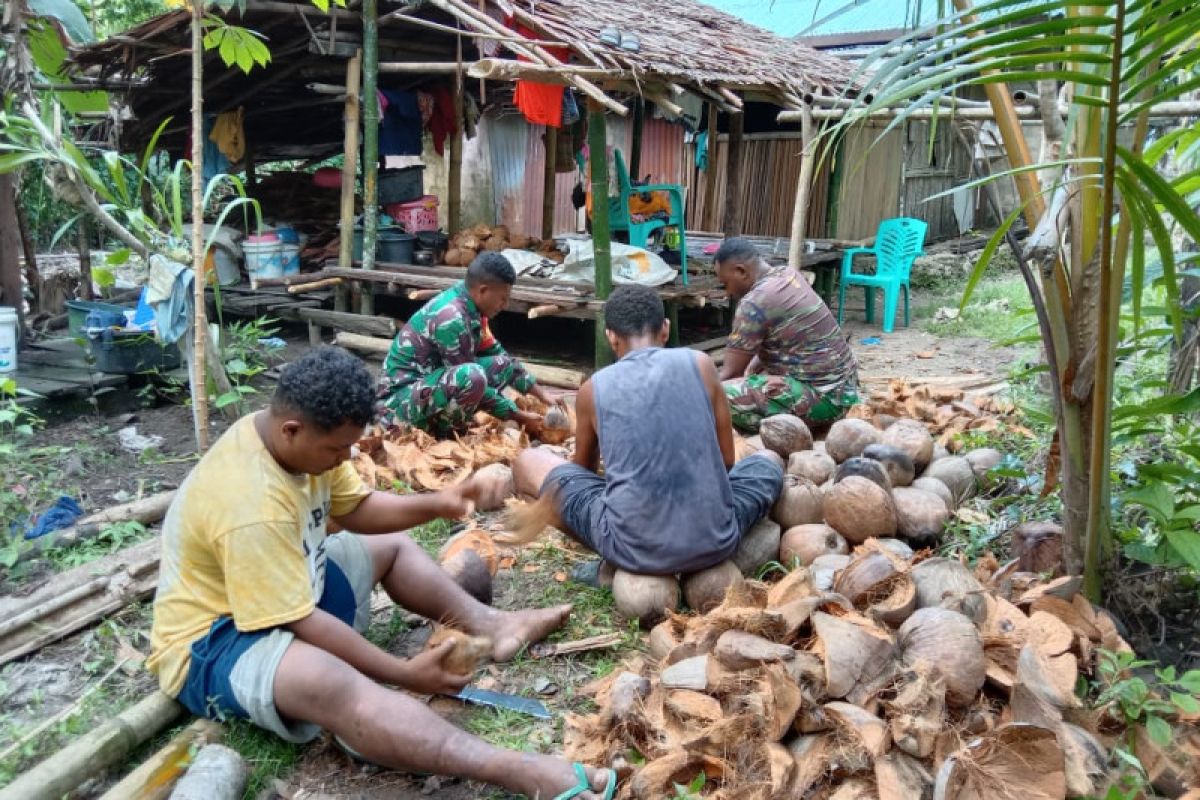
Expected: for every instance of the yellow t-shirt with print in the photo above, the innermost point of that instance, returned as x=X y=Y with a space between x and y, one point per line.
x=245 y=539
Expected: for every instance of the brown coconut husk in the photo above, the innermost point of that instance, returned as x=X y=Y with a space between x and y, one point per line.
x=476 y=540
x=857 y=725
x=1038 y=547
x=1014 y=762
x=468 y=652
x=667 y=635
x=948 y=641
x=812 y=755
x=1085 y=760
x=795 y=585
x=947 y=583
x=917 y=714
x=657 y=779
x=857 y=652
x=740 y=650
x=900 y=777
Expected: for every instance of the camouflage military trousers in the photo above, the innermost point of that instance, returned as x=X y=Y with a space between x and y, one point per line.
x=757 y=396
x=447 y=399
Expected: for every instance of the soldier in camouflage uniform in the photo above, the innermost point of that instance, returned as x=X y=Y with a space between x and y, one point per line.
x=786 y=353
x=445 y=364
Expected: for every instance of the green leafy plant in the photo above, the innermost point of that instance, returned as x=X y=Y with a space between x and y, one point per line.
x=692 y=790
x=111 y=538
x=1140 y=703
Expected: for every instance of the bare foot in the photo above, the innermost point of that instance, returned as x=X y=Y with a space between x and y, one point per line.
x=512 y=630
x=542 y=777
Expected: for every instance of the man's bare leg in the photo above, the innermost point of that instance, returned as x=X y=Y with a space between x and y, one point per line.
x=412 y=579
x=392 y=729
x=531 y=468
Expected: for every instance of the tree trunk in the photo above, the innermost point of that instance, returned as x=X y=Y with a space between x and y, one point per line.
x=32 y=278
x=10 y=251
x=199 y=321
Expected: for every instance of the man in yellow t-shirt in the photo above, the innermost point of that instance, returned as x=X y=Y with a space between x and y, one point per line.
x=259 y=613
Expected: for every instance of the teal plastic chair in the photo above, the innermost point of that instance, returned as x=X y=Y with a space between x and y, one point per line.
x=640 y=232
x=897 y=244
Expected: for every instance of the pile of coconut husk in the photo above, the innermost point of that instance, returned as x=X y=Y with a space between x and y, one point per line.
x=467 y=244
x=898 y=676
x=946 y=411
x=415 y=458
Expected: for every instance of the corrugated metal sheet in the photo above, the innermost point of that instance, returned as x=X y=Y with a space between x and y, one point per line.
x=508 y=142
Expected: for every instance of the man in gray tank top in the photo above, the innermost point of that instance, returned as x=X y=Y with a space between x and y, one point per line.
x=671 y=499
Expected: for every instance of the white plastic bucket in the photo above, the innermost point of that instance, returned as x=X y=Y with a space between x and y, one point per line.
x=8 y=339
x=290 y=254
x=263 y=259
x=227 y=267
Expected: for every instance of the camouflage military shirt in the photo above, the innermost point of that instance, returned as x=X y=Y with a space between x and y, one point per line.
x=783 y=322
x=446 y=332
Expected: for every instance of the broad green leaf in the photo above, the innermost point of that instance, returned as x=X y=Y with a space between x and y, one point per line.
x=1187 y=544
x=1160 y=732
x=322 y=4
x=1186 y=703
x=118 y=257
x=1155 y=498
x=1191 y=681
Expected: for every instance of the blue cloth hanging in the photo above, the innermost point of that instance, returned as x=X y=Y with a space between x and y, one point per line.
x=702 y=151
x=215 y=162
x=400 y=129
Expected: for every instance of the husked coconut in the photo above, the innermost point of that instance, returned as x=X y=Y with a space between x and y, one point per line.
x=938 y=488
x=868 y=468
x=896 y=462
x=771 y=456
x=921 y=516
x=956 y=473
x=803 y=544
x=983 y=460
x=897 y=547
x=848 y=437
x=799 y=503
x=704 y=590
x=759 y=546
x=939 y=452
x=950 y=642
x=556 y=426
x=785 y=434
x=646 y=598
x=816 y=467
x=949 y=584
x=499 y=480
x=859 y=509
x=913 y=438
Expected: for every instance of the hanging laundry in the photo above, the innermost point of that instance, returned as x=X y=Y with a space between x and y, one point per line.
x=229 y=134
x=400 y=124
x=541 y=103
x=425 y=103
x=570 y=109
x=441 y=123
x=214 y=161
x=702 y=151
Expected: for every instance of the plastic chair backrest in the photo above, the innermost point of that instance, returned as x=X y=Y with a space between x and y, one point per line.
x=624 y=186
x=897 y=243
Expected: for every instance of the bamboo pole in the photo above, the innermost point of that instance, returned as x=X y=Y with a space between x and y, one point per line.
x=454 y=176
x=154 y=777
x=349 y=176
x=199 y=387
x=803 y=188
x=92 y=754
x=549 y=179
x=405 y=15
x=601 y=235
x=370 y=83
x=65 y=713
x=732 y=218
x=1173 y=108
x=707 y=219
x=508 y=70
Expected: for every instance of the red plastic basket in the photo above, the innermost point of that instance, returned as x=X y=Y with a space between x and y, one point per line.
x=415 y=215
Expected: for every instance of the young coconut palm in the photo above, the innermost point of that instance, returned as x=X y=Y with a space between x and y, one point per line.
x=1102 y=68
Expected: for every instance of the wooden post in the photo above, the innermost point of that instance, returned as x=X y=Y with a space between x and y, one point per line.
x=635 y=145
x=803 y=187
x=10 y=250
x=601 y=236
x=732 y=222
x=200 y=340
x=548 y=182
x=370 y=17
x=708 y=221
x=32 y=277
x=349 y=176
x=454 y=176
x=85 y=259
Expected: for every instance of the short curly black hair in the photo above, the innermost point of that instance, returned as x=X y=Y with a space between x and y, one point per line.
x=329 y=387
x=491 y=267
x=633 y=309
x=737 y=249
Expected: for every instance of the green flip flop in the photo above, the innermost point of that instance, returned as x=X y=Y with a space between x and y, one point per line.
x=585 y=786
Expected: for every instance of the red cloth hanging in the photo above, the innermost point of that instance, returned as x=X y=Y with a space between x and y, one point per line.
x=441 y=124
x=541 y=103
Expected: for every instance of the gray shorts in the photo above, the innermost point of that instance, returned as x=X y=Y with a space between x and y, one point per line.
x=253 y=675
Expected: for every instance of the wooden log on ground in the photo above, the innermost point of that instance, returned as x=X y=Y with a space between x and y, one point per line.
x=421 y=294
x=551 y=376
x=291 y=280
x=147 y=511
x=218 y=773
x=90 y=755
x=353 y=323
x=324 y=283
x=77 y=598
x=154 y=778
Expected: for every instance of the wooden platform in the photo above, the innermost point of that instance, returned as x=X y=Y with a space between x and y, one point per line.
x=58 y=368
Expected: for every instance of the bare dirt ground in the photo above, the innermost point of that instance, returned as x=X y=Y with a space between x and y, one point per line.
x=100 y=472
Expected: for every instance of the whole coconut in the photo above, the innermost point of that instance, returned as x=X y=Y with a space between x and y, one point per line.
x=948 y=641
x=704 y=590
x=848 y=437
x=899 y=466
x=897 y=547
x=556 y=426
x=939 y=452
x=771 y=456
x=983 y=461
x=859 y=509
x=921 y=516
x=946 y=583
x=646 y=598
x=804 y=544
x=498 y=478
x=785 y=434
x=868 y=468
x=758 y=546
x=913 y=438
x=817 y=467
x=938 y=488
x=956 y=473
x=799 y=503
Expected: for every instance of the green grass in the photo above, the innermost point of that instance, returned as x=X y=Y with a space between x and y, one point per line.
x=268 y=756
x=1000 y=311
